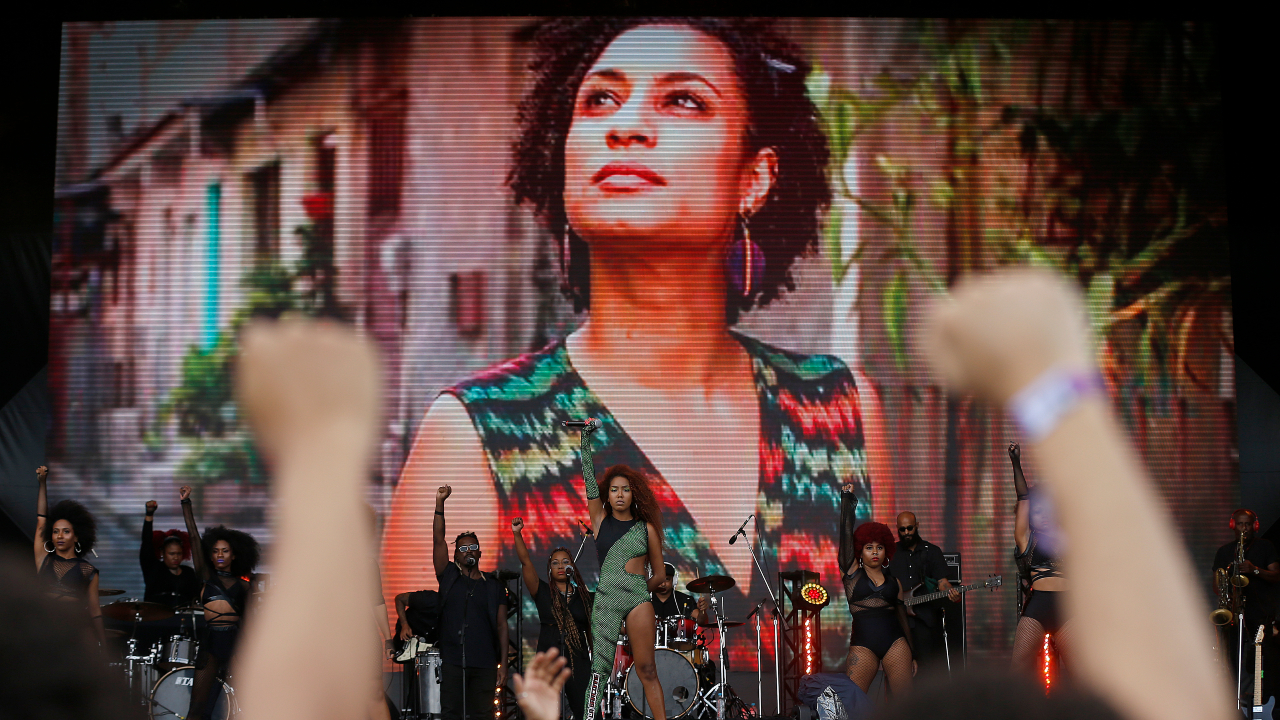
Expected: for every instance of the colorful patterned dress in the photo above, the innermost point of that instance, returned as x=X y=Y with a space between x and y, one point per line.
x=811 y=443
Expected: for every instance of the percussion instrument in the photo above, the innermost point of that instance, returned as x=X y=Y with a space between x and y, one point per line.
x=103 y=592
x=177 y=650
x=136 y=611
x=676 y=632
x=723 y=623
x=171 y=696
x=710 y=584
x=679 y=685
x=428 y=664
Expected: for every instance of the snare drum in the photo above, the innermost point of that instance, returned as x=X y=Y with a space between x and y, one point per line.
x=676 y=632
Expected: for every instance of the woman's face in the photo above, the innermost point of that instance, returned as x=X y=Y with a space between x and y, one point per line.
x=64 y=536
x=560 y=564
x=873 y=555
x=223 y=556
x=655 y=148
x=619 y=494
x=172 y=555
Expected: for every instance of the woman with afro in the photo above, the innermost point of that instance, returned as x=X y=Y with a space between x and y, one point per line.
x=880 y=635
x=64 y=535
x=224 y=559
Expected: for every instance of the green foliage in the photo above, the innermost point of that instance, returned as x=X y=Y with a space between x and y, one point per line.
x=1115 y=133
x=219 y=448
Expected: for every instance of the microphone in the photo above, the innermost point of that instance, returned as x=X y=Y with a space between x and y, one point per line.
x=471 y=562
x=586 y=529
x=568 y=570
x=582 y=424
x=734 y=539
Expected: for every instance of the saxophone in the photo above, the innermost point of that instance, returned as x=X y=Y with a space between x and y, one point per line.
x=1230 y=585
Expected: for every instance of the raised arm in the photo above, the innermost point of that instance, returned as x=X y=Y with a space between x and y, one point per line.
x=1022 y=516
x=848 y=520
x=439 y=548
x=594 y=505
x=42 y=512
x=527 y=569
x=147 y=550
x=197 y=550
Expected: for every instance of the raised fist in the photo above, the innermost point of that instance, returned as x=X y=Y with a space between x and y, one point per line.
x=42 y=472
x=184 y=492
x=1015 y=453
x=443 y=493
x=517 y=525
x=151 y=507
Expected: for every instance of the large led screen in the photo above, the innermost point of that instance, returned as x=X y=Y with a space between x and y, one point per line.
x=738 y=303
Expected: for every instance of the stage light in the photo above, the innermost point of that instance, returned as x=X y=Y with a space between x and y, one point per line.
x=812 y=596
x=808 y=646
x=1047 y=679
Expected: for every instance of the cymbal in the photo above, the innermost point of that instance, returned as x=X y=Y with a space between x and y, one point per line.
x=726 y=623
x=710 y=584
x=192 y=609
x=113 y=633
x=133 y=610
x=103 y=592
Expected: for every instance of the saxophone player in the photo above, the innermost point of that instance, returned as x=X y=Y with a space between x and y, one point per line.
x=1255 y=559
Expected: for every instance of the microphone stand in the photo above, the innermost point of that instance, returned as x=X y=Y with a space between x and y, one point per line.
x=586 y=532
x=777 y=617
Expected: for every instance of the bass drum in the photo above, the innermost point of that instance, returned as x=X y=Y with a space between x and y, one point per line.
x=171 y=697
x=679 y=683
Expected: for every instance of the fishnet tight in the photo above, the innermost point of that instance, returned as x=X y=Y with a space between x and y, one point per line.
x=1028 y=644
x=204 y=686
x=861 y=665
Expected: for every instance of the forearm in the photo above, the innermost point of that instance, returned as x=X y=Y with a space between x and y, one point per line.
x=1019 y=480
x=504 y=639
x=42 y=498
x=146 y=551
x=588 y=467
x=906 y=628
x=1104 y=501
x=340 y=663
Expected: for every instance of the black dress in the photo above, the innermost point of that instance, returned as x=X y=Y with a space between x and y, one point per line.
x=549 y=636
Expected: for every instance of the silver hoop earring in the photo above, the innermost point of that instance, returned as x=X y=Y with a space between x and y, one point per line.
x=564 y=254
x=46 y=546
x=78 y=550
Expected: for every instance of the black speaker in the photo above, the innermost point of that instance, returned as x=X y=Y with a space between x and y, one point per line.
x=955 y=617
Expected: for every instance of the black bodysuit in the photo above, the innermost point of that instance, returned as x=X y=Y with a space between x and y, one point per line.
x=1043 y=604
x=67 y=580
x=875 y=611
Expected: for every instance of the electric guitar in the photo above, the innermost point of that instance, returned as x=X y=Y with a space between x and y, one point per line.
x=1260 y=711
x=992 y=582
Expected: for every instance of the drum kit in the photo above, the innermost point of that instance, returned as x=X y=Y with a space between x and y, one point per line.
x=685 y=671
x=161 y=676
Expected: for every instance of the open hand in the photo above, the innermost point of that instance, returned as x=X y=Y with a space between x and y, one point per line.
x=406 y=633
x=538 y=691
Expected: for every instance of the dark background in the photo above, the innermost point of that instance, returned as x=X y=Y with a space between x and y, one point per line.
x=28 y=120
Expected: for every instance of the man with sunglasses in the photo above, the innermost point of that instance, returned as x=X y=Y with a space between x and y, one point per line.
x=920 y=563
x=473 y=624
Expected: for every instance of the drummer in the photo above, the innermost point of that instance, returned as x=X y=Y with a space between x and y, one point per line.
x=669 y=602
x=167 y=580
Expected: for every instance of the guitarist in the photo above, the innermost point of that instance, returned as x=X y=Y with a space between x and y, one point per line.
x=920 y=566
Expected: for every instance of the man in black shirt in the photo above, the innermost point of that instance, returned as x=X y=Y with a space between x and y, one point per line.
x=473 y=624
x=668 y=602
x=914 y=563
x=1262 y=566
x=166 y=579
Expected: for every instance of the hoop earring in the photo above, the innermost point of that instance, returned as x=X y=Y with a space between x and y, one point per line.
x=47 y=548
x=78 y=550
x=744 y=262
x=564 y=255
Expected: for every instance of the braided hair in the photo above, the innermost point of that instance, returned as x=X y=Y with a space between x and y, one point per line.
x=560 y=610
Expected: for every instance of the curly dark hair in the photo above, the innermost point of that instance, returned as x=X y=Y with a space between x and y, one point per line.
x=869 y=532
x=82 y=522
x=644 y=504
x=244 y=548
x=781 y=116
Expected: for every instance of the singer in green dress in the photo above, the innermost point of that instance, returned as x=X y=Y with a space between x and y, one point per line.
x=628 y=535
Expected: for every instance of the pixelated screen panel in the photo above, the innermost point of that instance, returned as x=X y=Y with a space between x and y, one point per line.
x=755 y=226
